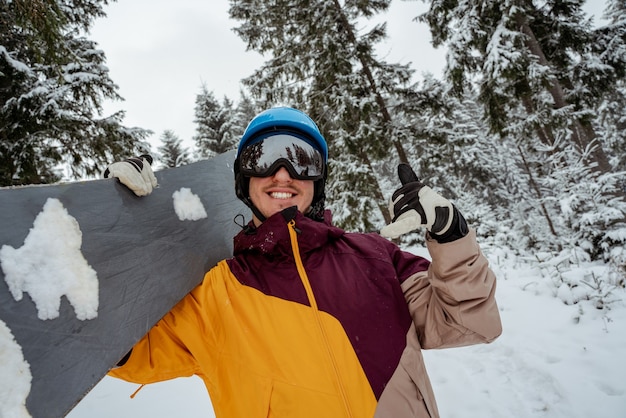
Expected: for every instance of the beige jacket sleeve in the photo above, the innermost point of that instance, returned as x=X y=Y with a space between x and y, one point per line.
x=452 y=304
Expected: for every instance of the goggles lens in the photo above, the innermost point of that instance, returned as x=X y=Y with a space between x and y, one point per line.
x=264 y=157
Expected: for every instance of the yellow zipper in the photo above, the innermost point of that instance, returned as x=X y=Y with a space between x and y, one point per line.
x=309 y=291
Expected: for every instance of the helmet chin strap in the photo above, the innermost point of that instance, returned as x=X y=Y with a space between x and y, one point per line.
x=256 y=211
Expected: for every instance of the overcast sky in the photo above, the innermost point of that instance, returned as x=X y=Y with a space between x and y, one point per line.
x=160 y=52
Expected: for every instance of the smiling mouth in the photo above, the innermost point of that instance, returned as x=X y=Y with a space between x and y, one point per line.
x=281 y=195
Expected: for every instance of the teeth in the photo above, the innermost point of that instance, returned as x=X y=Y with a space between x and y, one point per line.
x=281 y=195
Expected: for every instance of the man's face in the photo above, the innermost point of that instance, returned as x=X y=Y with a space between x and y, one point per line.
x=279 y=191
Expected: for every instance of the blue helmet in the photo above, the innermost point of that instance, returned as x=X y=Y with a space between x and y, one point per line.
x=283 y=120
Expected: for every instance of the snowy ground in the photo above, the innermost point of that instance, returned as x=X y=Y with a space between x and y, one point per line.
x=553 y=360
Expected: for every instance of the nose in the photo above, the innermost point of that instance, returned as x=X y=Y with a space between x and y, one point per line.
x=282 y=175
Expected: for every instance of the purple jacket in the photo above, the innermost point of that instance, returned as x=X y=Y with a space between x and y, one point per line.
x=355 y=277
x=307 y=320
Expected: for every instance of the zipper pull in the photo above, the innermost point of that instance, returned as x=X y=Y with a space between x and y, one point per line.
x=292 y=224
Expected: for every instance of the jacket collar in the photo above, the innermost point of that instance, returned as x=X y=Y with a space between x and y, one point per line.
x=272 y=236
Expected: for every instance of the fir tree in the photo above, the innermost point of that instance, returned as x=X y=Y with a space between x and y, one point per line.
x=215 y=132
x=322 y=63
x=610 y=48
x=52 y=83
x=172 y=152
x=544 y=74
x=538 y=64
x=245 y=111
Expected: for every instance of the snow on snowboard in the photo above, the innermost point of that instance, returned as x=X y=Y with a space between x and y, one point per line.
x=100 y=267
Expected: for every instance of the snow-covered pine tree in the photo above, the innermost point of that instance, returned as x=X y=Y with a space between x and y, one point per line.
x=542 y=78
x=610 y=48
x=523 y=55
x=322 y=60
x=245 y=110
x=215 y=129
x=453 y=152
x=172 y=152
x=52 y=83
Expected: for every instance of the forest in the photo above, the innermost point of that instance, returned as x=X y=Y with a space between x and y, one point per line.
x=525 y=130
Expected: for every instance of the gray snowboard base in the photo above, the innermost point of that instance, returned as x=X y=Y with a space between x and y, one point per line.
x=146 y=257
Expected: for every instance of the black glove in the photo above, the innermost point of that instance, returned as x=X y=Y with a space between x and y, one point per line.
x=134 y=173
x=415 y=205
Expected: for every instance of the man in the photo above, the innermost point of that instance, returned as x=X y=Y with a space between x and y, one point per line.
x=307 y=320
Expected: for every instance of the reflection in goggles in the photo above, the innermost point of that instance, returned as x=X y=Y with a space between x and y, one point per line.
x=263 y=158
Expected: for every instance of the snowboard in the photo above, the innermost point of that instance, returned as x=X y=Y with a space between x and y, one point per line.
x=88 y=268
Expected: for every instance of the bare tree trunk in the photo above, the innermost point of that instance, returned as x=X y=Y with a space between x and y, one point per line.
x=583 y=134
x=386 y=116
x=372 y=83
x=378 y=196
x=535 y=186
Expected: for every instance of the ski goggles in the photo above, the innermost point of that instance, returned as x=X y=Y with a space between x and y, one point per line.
x=263 y=158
